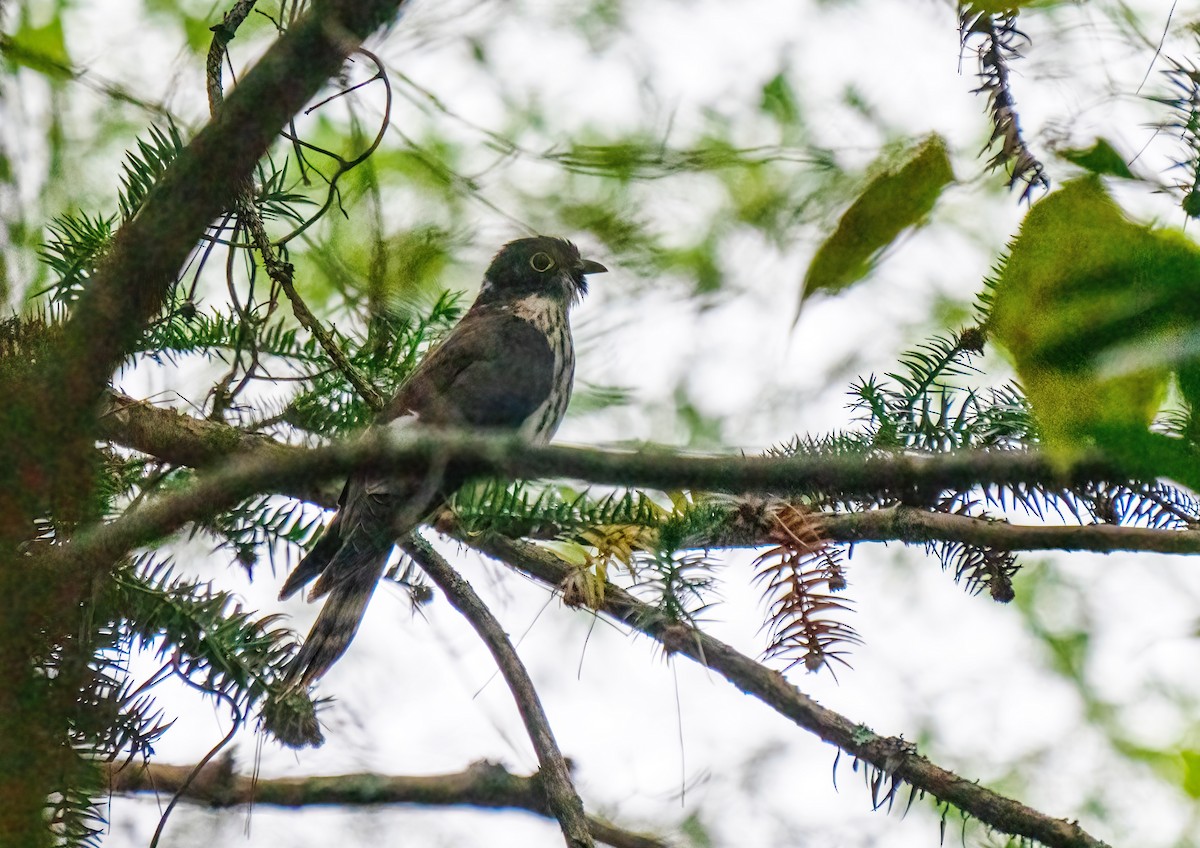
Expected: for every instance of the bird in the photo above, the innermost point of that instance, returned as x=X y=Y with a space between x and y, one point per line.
x=508 y=365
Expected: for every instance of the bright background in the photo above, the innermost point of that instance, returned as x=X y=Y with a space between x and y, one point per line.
x=1049 y=699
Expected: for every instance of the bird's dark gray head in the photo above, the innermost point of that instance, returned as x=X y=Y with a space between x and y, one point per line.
x=539 y=265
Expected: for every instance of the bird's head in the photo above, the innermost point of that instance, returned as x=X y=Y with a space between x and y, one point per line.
x=540 y=265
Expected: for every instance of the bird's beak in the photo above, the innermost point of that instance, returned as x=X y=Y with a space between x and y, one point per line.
x=587 y=266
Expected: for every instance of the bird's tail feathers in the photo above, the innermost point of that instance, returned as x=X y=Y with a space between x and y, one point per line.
x=314 y=562
x=355 y=574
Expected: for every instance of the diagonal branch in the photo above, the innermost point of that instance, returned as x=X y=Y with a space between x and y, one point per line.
x=482 y=784
x=896 y=760
x=561 y=797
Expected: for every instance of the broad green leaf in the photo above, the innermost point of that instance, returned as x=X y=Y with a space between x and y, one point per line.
x=1191 y=772
x=779 y=100
x=40 y=48
x=1100 y=158
x=899 y=196
x=1097 y=312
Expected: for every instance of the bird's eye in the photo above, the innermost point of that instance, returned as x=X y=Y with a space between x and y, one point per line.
x=541 y=262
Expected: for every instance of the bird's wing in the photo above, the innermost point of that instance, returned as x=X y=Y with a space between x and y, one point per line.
x=493 y=371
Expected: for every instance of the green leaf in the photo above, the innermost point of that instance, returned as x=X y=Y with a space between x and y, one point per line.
x=1100 y=158
x=40 y=48
x=1097 y=311
x=1191 y=772
x=899 y=196
x=779 y=101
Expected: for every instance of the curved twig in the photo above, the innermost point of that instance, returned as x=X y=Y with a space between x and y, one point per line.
x=280 y=271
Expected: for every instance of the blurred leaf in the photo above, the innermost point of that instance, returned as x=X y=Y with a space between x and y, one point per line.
x=762 y=198
x=1191 y=772
x=699 y=262
x=592 y=397
x=417 y=259
x=1100 y=158
x=779 y=101
x=1008 y=7
x=1097 y=311
x=899 y=196
x=39 y=48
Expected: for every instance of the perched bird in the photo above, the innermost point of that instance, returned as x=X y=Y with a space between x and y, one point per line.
x=507 y=365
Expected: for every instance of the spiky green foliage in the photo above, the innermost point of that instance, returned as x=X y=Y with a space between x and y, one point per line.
x=145 y=165
x=1001 y=45
x=203 y=632
x=261 y=524
x=75 y=243
x=1183 y=77
x=199 y=633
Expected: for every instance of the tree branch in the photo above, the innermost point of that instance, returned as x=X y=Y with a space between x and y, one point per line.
x=911 y=525
x=510 y=457
x=896 y=760
x=561 y=797
x=184 y=440
x=197 y=443
x=482 y=784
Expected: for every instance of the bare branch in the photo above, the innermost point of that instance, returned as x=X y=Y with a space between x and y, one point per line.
x=512 y=458
x=561 y=797
x=897 y=761
x=185 y=440
x=911 y=525
x=482 y=784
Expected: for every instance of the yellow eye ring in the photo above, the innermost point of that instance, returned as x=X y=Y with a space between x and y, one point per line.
x=541 y=262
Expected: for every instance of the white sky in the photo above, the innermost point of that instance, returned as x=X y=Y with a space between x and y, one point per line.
x=937 y=666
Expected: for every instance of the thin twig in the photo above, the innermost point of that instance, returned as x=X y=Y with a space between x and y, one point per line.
x=561 y=797
x=223 y=33
x=280 y=272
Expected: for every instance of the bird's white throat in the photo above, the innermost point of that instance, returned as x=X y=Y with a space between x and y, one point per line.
x=548 y=314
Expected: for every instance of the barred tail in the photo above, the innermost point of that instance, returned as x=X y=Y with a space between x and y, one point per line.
x=355 y=573
x=315 y=561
